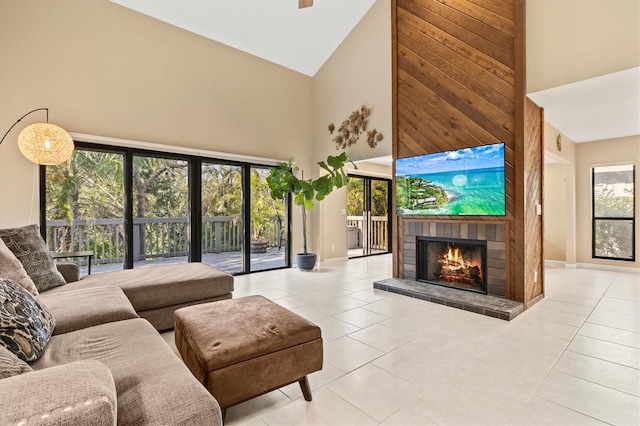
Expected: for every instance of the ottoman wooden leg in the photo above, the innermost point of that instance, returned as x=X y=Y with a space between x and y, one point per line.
x=306 y=390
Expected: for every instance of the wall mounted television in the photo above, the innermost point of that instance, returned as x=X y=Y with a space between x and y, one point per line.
x=464 y=182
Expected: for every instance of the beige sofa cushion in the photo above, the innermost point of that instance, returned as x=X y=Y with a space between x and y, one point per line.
x=153 y=385
x=10 y=267
x=86 y=307
x=158 y=286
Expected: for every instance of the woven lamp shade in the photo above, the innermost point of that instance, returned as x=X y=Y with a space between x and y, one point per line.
x=45 y=143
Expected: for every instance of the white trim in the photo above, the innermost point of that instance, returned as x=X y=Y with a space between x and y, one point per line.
x=128 y=143
x=614 y=163
x=365 y=173
x=560 y=264
x=608 y=267
x=333 y=260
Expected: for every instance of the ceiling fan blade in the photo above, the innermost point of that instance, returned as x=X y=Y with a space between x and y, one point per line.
x=304 y=3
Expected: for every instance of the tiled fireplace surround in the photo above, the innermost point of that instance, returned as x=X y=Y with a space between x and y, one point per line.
x=494 y=233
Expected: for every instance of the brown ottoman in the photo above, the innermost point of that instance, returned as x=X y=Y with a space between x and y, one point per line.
x=242 y=348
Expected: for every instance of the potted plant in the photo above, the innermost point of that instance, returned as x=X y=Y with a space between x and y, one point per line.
x=282 y=180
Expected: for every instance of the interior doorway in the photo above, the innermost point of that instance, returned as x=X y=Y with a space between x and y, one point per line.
x=368 y=219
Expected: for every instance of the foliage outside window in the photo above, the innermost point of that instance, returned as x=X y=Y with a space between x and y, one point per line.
x=355 y=198
x=613 y=199
x=84 y=209
x=81 y=191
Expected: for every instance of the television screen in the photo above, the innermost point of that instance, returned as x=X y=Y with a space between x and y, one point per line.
x=468 y=181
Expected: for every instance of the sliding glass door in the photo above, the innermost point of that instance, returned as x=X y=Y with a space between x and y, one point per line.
x=222 y=219
x=84 y=208
x=268 y=224
x=132 y=207
x=160 y=210
x=368 y=219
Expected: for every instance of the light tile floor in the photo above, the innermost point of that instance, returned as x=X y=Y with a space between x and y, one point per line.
x=573 y=359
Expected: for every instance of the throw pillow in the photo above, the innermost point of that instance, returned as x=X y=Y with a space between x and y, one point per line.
x=11 y=365
x=25 y=324
x=27 y=245
x=10 y=267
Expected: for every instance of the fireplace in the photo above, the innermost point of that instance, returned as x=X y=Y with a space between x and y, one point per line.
x=451 y=262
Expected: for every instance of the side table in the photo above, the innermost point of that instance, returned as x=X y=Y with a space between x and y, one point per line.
x=73 y=254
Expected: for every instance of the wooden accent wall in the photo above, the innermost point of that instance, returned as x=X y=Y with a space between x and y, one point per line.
x=459 y=81
x=533 y=223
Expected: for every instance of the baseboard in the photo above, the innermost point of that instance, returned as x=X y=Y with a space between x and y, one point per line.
x=613 y=268
x=560 y=264
x=334 y=259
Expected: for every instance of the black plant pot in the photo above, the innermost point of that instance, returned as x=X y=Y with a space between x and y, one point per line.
x=306 y=262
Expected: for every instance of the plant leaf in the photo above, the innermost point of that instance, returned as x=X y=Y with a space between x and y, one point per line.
x=308 y=204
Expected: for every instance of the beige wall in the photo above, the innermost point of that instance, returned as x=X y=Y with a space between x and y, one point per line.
x=559 y=197
x=567 y=195
x=105 y=70
x=573 y=40
x=588 y=154
x=358 y=73
x=556 y=220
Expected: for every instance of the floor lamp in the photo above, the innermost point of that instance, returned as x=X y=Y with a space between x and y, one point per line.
x=43 y=143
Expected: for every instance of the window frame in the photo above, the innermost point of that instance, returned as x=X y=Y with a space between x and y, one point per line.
x=595 y=219
x=194 y=173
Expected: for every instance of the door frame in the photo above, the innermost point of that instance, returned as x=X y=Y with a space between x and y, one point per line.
x=366 y=207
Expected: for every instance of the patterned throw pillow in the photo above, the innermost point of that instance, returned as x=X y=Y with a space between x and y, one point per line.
x=25 y=324
x=27 y=245
x=11 y=365
x=10 y=267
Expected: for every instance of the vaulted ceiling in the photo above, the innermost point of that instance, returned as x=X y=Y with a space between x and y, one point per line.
x=275 y=30
x=583 y=56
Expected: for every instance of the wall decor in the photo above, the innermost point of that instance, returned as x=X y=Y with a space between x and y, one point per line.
x=350 y=130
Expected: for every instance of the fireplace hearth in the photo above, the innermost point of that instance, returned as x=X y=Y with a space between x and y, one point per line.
x=452 y=262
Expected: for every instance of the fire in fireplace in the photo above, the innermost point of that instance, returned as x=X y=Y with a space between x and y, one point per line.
x=452 y=262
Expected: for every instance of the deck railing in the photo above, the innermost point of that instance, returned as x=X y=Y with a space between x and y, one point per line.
x=157 y=238
x=153 y=238
x=379 y=231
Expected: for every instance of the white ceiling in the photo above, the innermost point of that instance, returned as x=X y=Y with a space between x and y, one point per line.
x=275 y=30
x=604 y=107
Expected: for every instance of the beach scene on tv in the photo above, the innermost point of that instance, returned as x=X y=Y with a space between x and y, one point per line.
x=468 y=181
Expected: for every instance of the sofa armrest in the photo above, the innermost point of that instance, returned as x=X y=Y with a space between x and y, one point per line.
x=81 y=392
x=69 y=270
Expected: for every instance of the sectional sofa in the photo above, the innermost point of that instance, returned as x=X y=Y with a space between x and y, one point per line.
x=101 y=359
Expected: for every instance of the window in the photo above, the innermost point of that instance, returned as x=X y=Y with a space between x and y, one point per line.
x=84 y=206
x=613 y=210
x=133 y=207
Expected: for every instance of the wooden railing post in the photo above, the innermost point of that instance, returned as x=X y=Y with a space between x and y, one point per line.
x=136 y=242
x=217 y=226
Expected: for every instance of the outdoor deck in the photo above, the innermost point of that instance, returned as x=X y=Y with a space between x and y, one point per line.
x=228 y=261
